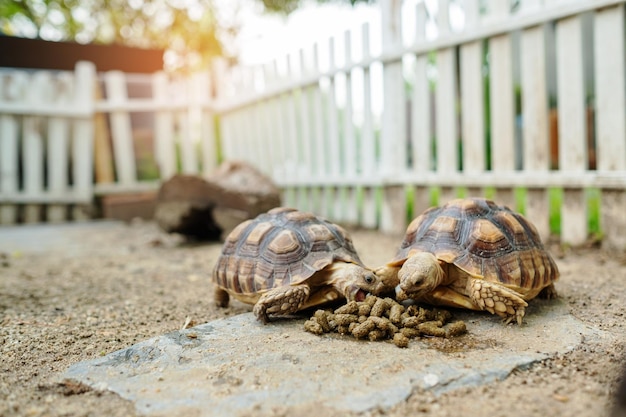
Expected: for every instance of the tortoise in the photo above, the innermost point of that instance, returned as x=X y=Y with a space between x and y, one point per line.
x=472 y=253
x=287 y=260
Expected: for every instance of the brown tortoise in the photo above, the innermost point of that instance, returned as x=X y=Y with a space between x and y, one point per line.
x=287 y=260
x=472 y=253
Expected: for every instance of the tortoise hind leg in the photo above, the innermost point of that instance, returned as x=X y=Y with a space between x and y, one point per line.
x=497 y=299
x=282 y=300
x=221 y=297
x=548 y=293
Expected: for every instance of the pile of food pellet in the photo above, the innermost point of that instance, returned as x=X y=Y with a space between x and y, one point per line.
x=378 y=318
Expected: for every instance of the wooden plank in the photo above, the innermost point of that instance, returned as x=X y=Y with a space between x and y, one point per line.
x=421 y=200
x=121 y=130
x=349 y=139
x=472 y=100
x=333 y=152
x=201 y=94
x=104 y=170
x=369 y=167
x=33 y=147
x=421 y=114
x=319 y=144
x=393 y=209
x=82 y=141
x=58 y=148
x=535 y=131
x=446 y=123
x=393 y=148
x=369 y=212
x=292 y=134
x=306 y=122
x=164 y=143
x=610 y=109
x=473 y=108
x=572 y=125
x=9 y=156
x=502 y=103
x=186 y=134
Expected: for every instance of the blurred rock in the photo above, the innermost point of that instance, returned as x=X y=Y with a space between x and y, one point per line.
x=209 y=208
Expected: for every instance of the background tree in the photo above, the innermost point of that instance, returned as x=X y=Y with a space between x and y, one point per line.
x=188 y=30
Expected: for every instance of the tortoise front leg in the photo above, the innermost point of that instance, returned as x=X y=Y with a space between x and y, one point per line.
x=280 y=301
x=497 y=299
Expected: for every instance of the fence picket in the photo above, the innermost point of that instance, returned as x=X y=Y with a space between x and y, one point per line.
x=421 y=116
x=186 y=131
x=572 y=125
x=502 y=103
x=83 y=140
x=165 y=149
x=368 y=143
x=58 y=148
x=610 y=110
x=445 y=106
x=121 y=130
x=393 y=138
x=9 y=156
x=33 y=146
x=536 y=140
x=472 y=101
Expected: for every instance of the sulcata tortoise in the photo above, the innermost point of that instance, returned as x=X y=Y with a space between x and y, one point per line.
x=287 y=260
x=472 y=253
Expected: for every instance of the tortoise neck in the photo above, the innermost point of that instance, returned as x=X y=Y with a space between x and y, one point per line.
x=388 y=275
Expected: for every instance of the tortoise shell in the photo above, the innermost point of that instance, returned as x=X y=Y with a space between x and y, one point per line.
x=281 y=247
x=484 y=239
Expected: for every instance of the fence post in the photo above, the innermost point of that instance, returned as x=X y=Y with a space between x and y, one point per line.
x=393 y=130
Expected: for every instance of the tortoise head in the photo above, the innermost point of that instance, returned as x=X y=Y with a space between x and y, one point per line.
x=420 y=274
x=356 y=281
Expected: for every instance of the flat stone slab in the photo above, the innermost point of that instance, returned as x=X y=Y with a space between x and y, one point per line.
x=236 y=366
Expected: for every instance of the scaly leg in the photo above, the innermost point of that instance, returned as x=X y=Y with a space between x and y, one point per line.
x=549 y=293
x=221 y=297
x=281 y=300
x=497 y=299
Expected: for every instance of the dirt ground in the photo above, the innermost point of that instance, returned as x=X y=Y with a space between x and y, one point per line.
x=120 y=284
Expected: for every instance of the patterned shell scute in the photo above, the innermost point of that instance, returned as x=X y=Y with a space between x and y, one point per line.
x=281 y=247
x=484 y=239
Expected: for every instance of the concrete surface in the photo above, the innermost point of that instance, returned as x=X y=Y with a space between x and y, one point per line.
x=236 y=365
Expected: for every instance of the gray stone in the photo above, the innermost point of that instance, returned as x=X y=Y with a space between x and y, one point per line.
x=237 y=366
x=208 y=208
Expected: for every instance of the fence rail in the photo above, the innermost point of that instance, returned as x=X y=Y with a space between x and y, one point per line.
x=513 y=104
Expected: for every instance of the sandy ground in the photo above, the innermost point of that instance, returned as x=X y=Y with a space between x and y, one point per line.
x=106 y=289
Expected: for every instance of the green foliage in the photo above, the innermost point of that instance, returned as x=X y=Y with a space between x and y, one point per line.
x=189 y=31
x=288 y=6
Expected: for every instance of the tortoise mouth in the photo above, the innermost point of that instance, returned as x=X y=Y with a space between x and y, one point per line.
x=360 y=295
x=357 y=294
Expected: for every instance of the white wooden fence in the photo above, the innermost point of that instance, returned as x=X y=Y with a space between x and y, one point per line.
x=440 y=125
x=364 y=137
x=66 y=137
